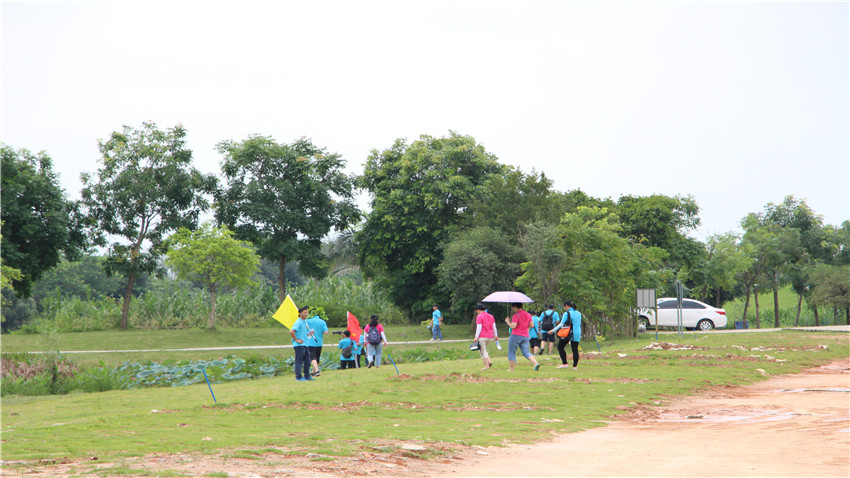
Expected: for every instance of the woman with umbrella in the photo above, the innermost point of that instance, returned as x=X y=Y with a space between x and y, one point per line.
x=519 y=325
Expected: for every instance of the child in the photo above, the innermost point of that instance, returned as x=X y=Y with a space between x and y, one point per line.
x=358 y=350
x=346 y=344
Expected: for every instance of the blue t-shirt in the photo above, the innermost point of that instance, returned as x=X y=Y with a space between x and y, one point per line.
x=435 y=317
x=300 y=329
x=358 y=346
x=535 y=326
x=345 y=343
x=319 y=327
x=575 y=317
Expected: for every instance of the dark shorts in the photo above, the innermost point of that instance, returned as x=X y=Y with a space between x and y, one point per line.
x=315 y=353
x=534 y=343
x=547 y=337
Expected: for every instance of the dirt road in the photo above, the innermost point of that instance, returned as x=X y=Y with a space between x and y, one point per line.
x=794 y=425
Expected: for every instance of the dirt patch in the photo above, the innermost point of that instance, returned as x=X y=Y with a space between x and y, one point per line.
x=756 y=430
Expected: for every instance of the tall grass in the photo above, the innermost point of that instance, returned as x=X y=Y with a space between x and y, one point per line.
x=177 y=305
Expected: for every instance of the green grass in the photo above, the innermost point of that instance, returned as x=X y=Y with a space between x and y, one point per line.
x=787 y=300
x=193 y=338
x=351 y=411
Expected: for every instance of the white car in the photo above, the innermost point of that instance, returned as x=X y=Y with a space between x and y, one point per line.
x=695 y=315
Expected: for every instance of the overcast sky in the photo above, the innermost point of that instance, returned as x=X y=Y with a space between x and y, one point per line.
x=738 y=104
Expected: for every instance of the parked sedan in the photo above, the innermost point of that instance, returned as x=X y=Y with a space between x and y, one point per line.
x=695 y=314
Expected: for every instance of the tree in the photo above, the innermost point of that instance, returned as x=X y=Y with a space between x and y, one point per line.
x=84 y=278
x=213 y=257
x=725 y=261
x=476 y=263
x=40 y=224
x=603 y=269
x=657 y=220
x=420 y=192
x=146 y=189
x=284 y=198
x=832 y=287
x=530 y=197
x=767 y=246
x=546 y=259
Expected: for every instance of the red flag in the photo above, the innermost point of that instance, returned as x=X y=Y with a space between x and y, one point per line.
x=354 y=327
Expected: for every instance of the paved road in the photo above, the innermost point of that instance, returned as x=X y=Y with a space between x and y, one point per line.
x=828 y=328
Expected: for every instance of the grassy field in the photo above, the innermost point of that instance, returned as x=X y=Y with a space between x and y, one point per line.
x=347 y=411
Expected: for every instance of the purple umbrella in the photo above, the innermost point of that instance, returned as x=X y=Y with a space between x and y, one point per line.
x=508 y=296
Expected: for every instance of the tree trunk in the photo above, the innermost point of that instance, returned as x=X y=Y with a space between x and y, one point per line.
x=758 y=314
x=281 y=277
x=799 y=306
x=717 y=298
x=128 y=294
x=847 y=314
x=817 y=316
x=746 y=303
x=775 y=305
x=211 y=324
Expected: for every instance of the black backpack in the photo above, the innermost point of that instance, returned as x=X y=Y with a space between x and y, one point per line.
x=547 y=323
x=373 y=336
x=346 y=351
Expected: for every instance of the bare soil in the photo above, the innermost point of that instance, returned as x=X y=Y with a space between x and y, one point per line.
x=792 y=425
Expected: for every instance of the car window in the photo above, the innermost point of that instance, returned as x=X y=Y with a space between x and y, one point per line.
x=690 y=304
x=667 y=304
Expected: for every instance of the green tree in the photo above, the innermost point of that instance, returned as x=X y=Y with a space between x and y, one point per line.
x=40 y=224
x=284 y=198
x=476 y=263
x=657 y=220
x=85 y=278
x=767 y=245
x=509 y=201
x=145 y=189
x=724 y=262
x=213 y=257
x=603 y=269
x=546 y=258
x=420 y=192
x=832 y=287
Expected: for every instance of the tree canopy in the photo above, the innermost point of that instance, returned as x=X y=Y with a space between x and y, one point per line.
x=284 y=198
x=40 y=225
x=419 y=192
x=145 y=189
x=213 y=257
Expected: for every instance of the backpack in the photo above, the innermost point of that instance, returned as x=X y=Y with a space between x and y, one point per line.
x=547 y=323
x=346 y=351
x=373 y=336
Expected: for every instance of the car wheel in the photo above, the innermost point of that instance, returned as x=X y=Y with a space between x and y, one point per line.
x=705 y=325
x=644 y=322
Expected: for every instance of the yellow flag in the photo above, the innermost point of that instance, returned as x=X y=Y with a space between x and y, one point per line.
x=287 y=313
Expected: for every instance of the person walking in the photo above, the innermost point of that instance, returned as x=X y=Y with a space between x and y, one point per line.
x=315 y=342
x=519 y=325
x=299 y=333
x=436 y=324
x=534 y=333
x=548 y=319
x=572 y=319
x=485 y=333
x=359 y=349
x=375 y=341
x=346 y=346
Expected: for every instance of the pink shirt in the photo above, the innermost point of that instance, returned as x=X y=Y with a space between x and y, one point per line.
x=523 y=321
x=488 y=323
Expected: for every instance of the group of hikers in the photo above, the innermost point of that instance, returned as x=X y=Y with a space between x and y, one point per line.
x=308 y=338
x=530 y=333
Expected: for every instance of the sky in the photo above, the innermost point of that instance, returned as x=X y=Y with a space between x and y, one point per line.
x=736 y=103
